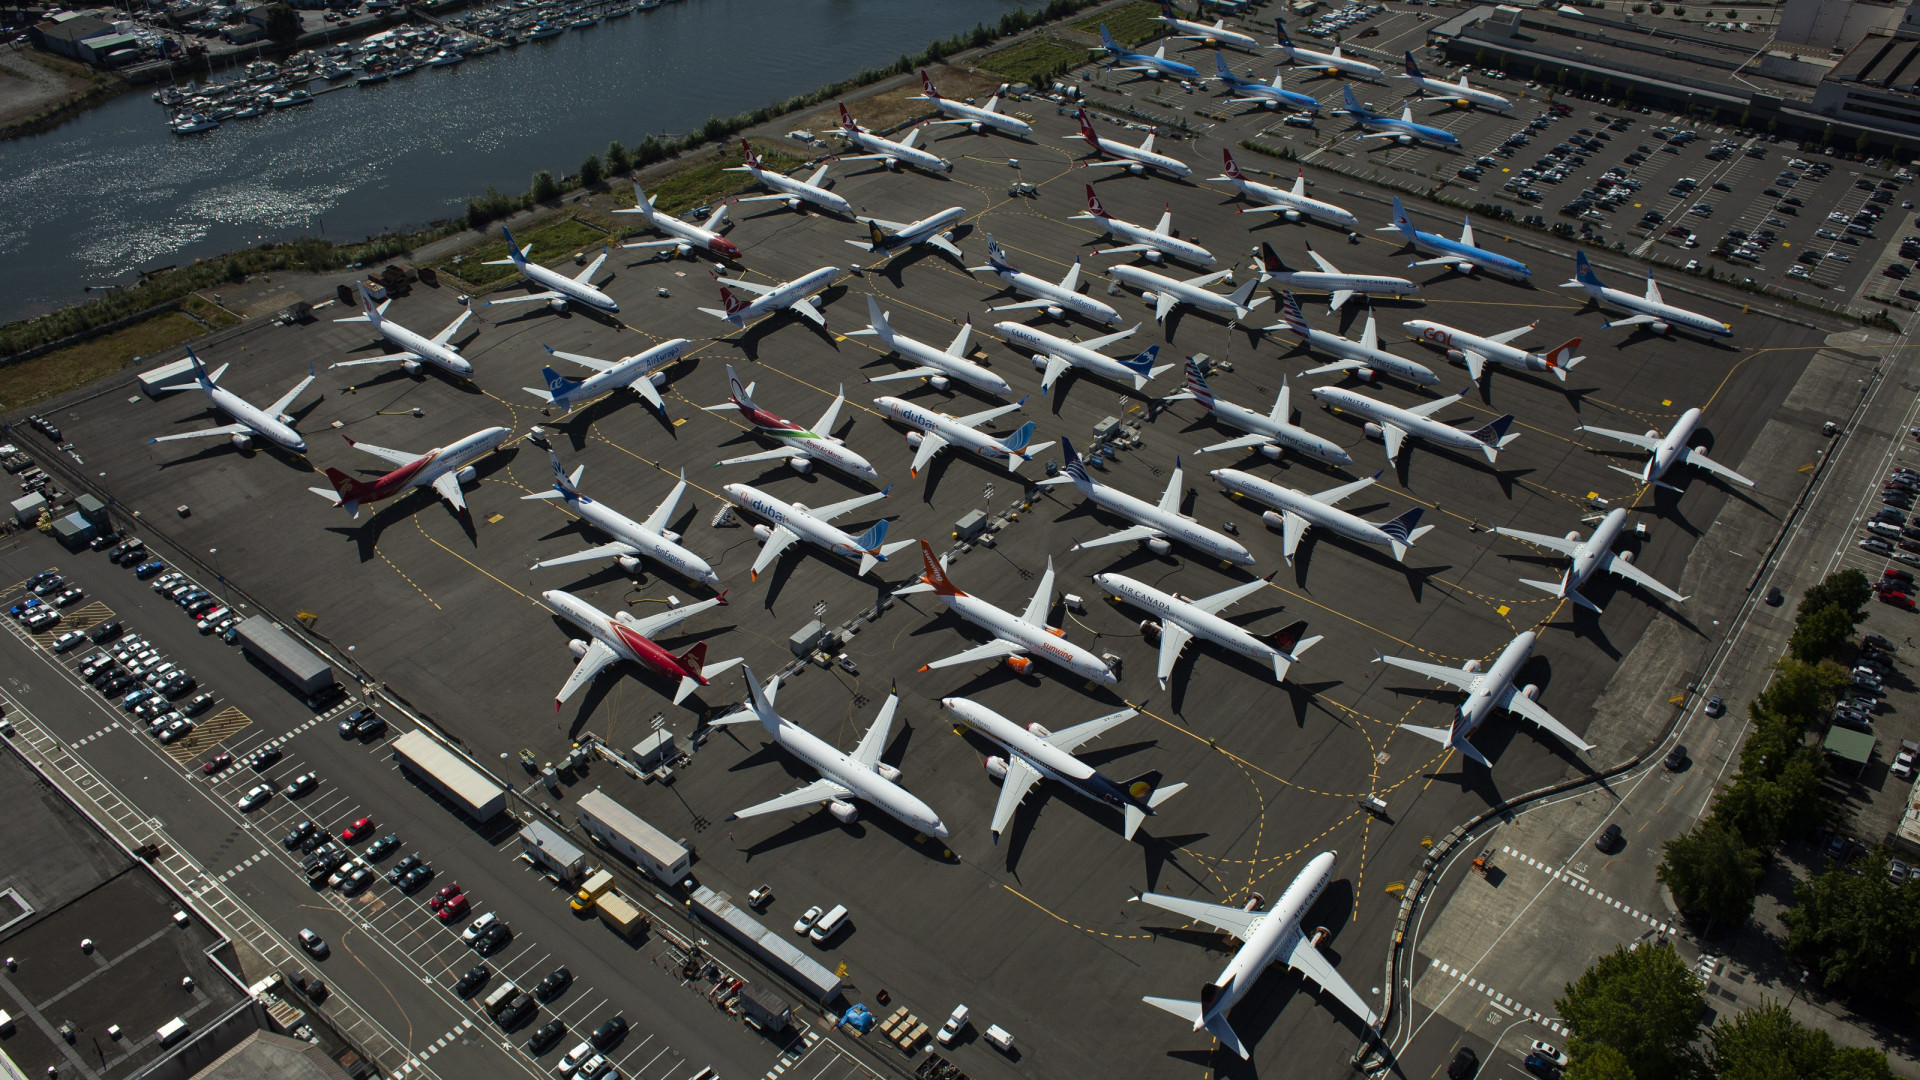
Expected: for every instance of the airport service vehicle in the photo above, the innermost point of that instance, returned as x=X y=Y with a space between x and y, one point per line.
x=934 y=431
x=249 y=421
x=1295 y=511
x=1266 y=936
x=1340 y=287
x=1055 y=356
x=844 y=777
x=894 y=154
x=793 y=192
x=1164 y=292
x=1292 y=204
x=1153 y=245
x=444 y=469
x=1392 y=424
x=1459 y=93
x=1404 y=130
x=1152 y=65
x=977 y=118
x=1649 y=310
x=1273 y=434
x=1477 y=352
x=798 y=296
x=1157 y=525
x=888 y=239
x=1365 y=358
x=1018 y=639
x=1666 y=451
x=414 y=347
x=1180 y=620
x=557 y=290
x=1592 y=554
x=683 y=237
x=1135 y=159
x=1054 y=299
x=644 y=373
x=624 y=637
x=799 y=447
x=938 y=367
x=1333 y=63
x=1486 y=691
x=1461 y=255
x=789 y=522
x=1217 y=34
x=634 y=542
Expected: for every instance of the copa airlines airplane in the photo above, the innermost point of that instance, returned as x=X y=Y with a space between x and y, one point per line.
x=1459 y=93
x=1055 y=300
x=793 y=521
x=1217 y=34
x=1017 y=639
x=271 y=423
x=1477 y=352
x=1486 y=691
x=624 y=637
x=644 y=373
x=414 y=347
x=1404 y=130
x=895 y=154
x=844 y=777
x=1135 y=159
x=1152 y=65
x=1034 y=754
x=1164 y=292
x=889 y=238
x=559 y=290
x=1266 y=95
x=793 y=192
x=797 y=296
x=1180 y=620
x=1365 y=357
x=1292 y=205
x=1590 y=555
x=1274 y=434
x=1392 y=424
x=1332 y=63
x=1054 y=356
x=934 y=431
x=799 y=447
x=977 y=118
x=1266 y=936
x=1340 y=287
x=1157 y=526
x=1298 y=511
x=938 y=367
x=443 y=469
x=1649 y=311
x=634 y=542
x=683 y=237
x=1153 y=245
x=1667 y=451
x=1459 y=254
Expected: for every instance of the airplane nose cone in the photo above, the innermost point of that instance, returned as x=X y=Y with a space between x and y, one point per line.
x=937 y=830
x=300 y=446
x=1106 y=677
x=727 y=248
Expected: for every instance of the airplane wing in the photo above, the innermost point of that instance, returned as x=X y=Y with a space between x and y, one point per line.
x=930 y=445
x=1228 y=920
x=996 y=649
x=1476 y=363
x=1176 y=487
x=875 y=740
x=1338 y=299
x=1226 y=598
x=1617 y=565
x=1042 y=601
x=1321 y=262
x=834 y=510
x=1430 y=407
x=591 y=664
x=763 y=455
x=1644 y=442
x=517 y=298
x=1307 y=960
x=821 y=790
x=757 y=290
x=645 y=244
x=593 y=362
x=452 y=328
x=1332 y=496
x=1452 y=676
x=1096 y=344
x=831 y=417
x=1337 y=365
x=809 y=310
x=448 y=487
x=1293 y=527
x=1014 y=786
x=1552 y=543
x=1631 y=320
x=1133 y=532
x=910 y=373
x=1057 y=366
x=944 y=244
x=1022 y=305
x=1516 y=702
x=649 y=393
x=224 y=429
x=1394 y=437
x=1509 y=335
x=1163 y=304
x=1073 y=738
x=781 y=539
x=1444 y=260
x=383 y=358
x=285 y=400
x=1700 y=460
x=1173 y=639
x=1241 y=443
x=592 y=268
x=603 y=551
x=662 y=514
x=392 y=457
x=974 y=420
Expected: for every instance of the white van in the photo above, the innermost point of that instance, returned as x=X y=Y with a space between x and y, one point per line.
x=828 y=925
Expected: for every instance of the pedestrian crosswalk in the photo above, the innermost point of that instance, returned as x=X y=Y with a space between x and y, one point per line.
x=242 y=865
x=793 y=1053
x=85 y=739
x=1575 y=881
x=419 y=1059
x=1499 y=1001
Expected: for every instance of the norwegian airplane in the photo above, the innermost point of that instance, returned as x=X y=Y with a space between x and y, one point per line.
x=1459 y=93
x=799 y=447
x=936 y=366
x=1135 y=159
x=1339 y=287
x=1486 y=691
x=634 y=542
x=1392 y=424
x=793 y=521
x=1298 y=511
x=644 y=373
x=1274 y=434
x=798 y=296
x=934 y=431
x=1332 y=63
x=785 y=189
x=895 y=154
x=890 y=238
x=249 y=420
x=1365 y=358
x=1593 y=554
x=1666 y=451
x=1649 y=311
x=624 y=637
x=1054 y=356
x=1217 y=34
x=1477 y=352
x=559 y=289
x=1017 y=639
x=1266 y=95
x=1054 y=299
x=414 y=347
x=1157 y=525
x=1180 y=620
x=1461 y=255
x=1153 y=245
x=1153 y=65
x=443 y=469
x=1292 y=204
x=977 y=118
x=683 y=237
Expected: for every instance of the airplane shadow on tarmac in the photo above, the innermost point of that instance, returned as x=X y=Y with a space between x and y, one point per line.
x=419 y=500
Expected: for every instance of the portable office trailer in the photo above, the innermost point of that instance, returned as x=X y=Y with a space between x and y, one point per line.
x=622 y=831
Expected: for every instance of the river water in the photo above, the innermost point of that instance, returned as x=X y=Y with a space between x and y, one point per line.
x=114 y=191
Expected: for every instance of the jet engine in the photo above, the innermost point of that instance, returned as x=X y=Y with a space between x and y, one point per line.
x=1020 y=664
x=1625 y=557
x=795 y=204
x=1661 y=328
x=577 y=647
x=1403 y=140
x=1136 y=169
x=242 y=440
x=1039 y=362
x=914 y=439
x=893 y=165
x=1274 y=520
x=1319 y=936
x=886 y=771
x=1531 y=691
x=1465 y=267
x=1149 y=298
x=997 y=767
x=466 y=475
x=1372 y=431
x=284 y=418
x=1456 y=356
x=558 y=303
x=1293 y=216
x=1038 y=730
x=763 y=531
x=1272 y=451
x=844 y=812
x=411 y=367
x=658 y=379
x=1573 y=536
x=629 y=563
x=1055 y=311
x=669 y=534
x=1470 y=666
x=1150 y=630
x=939 y=382
x=976 y=127
x=1156 y=256
x=1159 y=545
x=801 y=465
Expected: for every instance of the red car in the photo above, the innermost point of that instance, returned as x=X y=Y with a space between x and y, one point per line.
x=357 y=830
x=217 y=763
x=452 y=909
x=446 y=895
x=1897 y=599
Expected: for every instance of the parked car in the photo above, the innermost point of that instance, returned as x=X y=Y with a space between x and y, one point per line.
x=1609 y=839
x=315 y=945
x=472 y=979
x=352 y=833
x=260 y=759
x=302 y=784
x=255 y=798
x=609 y=1033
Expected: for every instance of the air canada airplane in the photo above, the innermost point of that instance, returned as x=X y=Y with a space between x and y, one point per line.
x=1486 y=691
x=249 y=420
x=1018 y=639
x=414 y=347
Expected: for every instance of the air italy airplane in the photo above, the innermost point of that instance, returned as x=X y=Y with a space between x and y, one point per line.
x=1459 y=93
x=1217 y=34
x=799 y=447
x=558 y=290
x=1590 y=555
x=1153 y=244
x=1274 y=434
x=1033 y=754
x=623 y=637
x=793 y=192
x=633 y=541
x=798 y=296
x=890 y=238
x=1459 y=254
x=1157 y=526
x=894 y=154
x=934 y=431
x=1649 y=311
x=1486 y=691
x=1152 y=65
x=443 y=469
x=1667 y=451
x=271 y=423
x=1392 y=424
x=1055 y=300
x=1135 y=159
x=1364 y=357
x=1477 y=352
x=1404 y=130
x=683 y=237
x=1291 y=204
x=792 y=521
x=414 y=347
x=938 y=367
x=1017 y=639
x=1054 y=356
x=977 y=118
x=1181 y=620
x=1266 y=95
x=644 y=373
x=1332 y=63
x=1339 y=287
x=1298 y=511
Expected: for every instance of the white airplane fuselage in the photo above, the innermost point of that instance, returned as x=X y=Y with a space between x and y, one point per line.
x=1212 y=35
x=1201 y=624
x=1172 y=525
x=930 y=421
x=440 y=356
x=1038 y=641
x=1364 y=284
x=1299 y=205
x=865 y=783
x=651 y=545
x=1595 y=549
x=1333 y=344
x=909 y=155
x=1453 y=341
x=804 y=287
x=1272 y=940
x=925 y=355
x=932 y=225
x=629 y=370
x=1344 y=65
x=1159 y=284
x=1491 y=686
x=1160 y=242
x=569 y=289
x=1672 y=447
x=977 y=117
x=272 y=428
x=457 y=455
x=1063 y=300
x=1661 y=312
x=1148 y=158
x=1293 y=501
x=1043 y=757
x=1413 y=424
x=1282 y=433
x=1465 y=95
x=800 y=190
x=1073 y=352
x=794 y=517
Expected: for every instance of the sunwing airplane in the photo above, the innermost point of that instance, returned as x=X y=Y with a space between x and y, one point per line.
x=889 y=238
x=977 y=118
x=1035 y=754
x=1151 y=65
x=1459 y=93
x=792 y=521
x=1164 y=292
x=683 y=237
x=1055 y=300
x=1274 y=434
x=792 y=191
x=797 y=296
x=1332 y=63
x=644 y=373
x=895 y=154
x=1298 y=511
x=1404 y=130
x=1180 y=620
x=1017 y=639
x=1459 y=254
x=844 y=777
x=934 y=431
x=1267 y=936
x=1364 y=357
x=1159 y=525
x=1341 y=287
x=634 y=542
x=559 y=289
x=799 y=447
x=1486 y=691
x=1477 y=352
x=1266 y=95
x=938 y=367
x=1217 y=34
x=1135 y=159
x=1291 y=204
x=1590 y=555
x=1667 y=451
x=414 y=347
x=1649 y=311
x=1153 y=245
x=443 y=469
x=624 y=637
x=1392 y=424
x=1054 y=356
x=271 y=423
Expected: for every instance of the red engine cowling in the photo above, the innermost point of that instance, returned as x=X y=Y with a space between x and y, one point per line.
x=1020 y=664
x=1038 y=730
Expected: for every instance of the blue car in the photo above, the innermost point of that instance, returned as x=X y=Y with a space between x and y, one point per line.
x=147 y=569
x=22 y=610
x=135 y=698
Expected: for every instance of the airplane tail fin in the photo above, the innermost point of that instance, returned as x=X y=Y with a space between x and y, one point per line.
x=1413 y=69
x=1075 y=469
x=563 y=483
x=1197 y=385
x=753 y=159
x=872 y=538
x=876 y=236
x=200 y=371
x=877 y=324
x=937 y=574
x=514 y=254
x=1220 y=65
x=1094 y=205
x=1291 y=639
x=1403 y=531
x=1086 y=128
x=1583 y=271
x=739 y=393
x=1494 y=434
x=347 y=489
x=557 y=384
x=1400 y=218
x=694 y=660
x=1106 y=39
x=732 y=303
x=1290 y=312
x=846 y=119
x=1270 y=261
x=996 y=255
x=1018 y=441
x=1353 y=103
x=1142 y=365
x=367 y=306
x=1144 y=795
x=1280 y=33
x=1561 y=360
x=1233 y=167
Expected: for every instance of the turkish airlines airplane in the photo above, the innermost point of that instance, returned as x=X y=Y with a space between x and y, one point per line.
x=793 y=192
x=559 y=290
x=683 y=237
x=977 y=118
x=1054 y=299
x=644 y=373
x=1153 y=244
x=798 y=296
x=799 y=447
x=1135 y=159
x=623 y=637
x=1017 y=639
x=1157 y=525
x=443 y=469
x=1666 y=451
x=414 y=347
x=634 y=542
x=939 y=367
x=1486 y=691
x=895 y=154
x=1291 y=204
x=249 y=420
x=1593 y=554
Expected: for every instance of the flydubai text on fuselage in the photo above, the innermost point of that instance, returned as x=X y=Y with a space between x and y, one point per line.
x=1017 y=638
x=932 y=364
x=1135 y=159
x=1274 y=434
x=1295 y=511
x=560 y=290
x=1403 y=129
x=1649 y=310
x=643 y=373
x=1292 y=205
x=414 y=346
x=1151 y=244
x=633 y=541
x=975 y=117
x=1459 y=93
x=1054 y=355
x=1332 y=63
x=271 y=423
x=794 y=192
x=623 y=637
x=1460 y=254
x=1477 y=352
x=1157 y=526
x=1056 y=299
x=1217 y=34
x=1664 y=452
x=1153 y=64
x=792 y=521
x=893 y=153
x=1178 y=615
x=941 y=430
x=1392 y=424
x=444 y=470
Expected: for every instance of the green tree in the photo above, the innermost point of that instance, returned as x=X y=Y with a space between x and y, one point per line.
x=1713 y=872
x=1802 y=691
x=545 y=187
x=1600 y=1063
x=618 y=160
x=1848 y=588
x=1858 y=1063
x=1767 y=1043
x=1821 y=634
x=591 y=171
x=1642 y=1002
x=1857 y=933
x=281 y=23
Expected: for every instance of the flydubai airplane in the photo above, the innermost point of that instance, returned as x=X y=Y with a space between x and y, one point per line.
x=799 y=296
x=894 y=154
x=1164 y=292
x=1477 y=352
x=1593 y=554
x=1273 y=434
x=977 y=118
x=249 y=420
x=1153 y=65
x=1217 y=34
x=1404 y=130
x=1180 y=620
x=1153 y=245
x=1392 y=424
x=1017 y=639
x=1459 y=93
x=1157 y=525
x=1293 y=204
x=1135 y=159
x=443 y=469
x=1054 y=299
x=1649 y=311
x=1459 y=254
x=1341 y=287
x=938 y=367
x=934 y=431
x=1266 y=95
x=1332 y=63
x=792 y=521
x=795 y=193
x=623 y=637
x=890 y=238
x=1055 y=356
x=683 y=237
x=1297 y=511
x=558 y=290
x=1486 y=691
x=799 y=447
x=1666 y=451
x=634 y=542
x=644 y=373
x=1365 y=358
x=414 y=347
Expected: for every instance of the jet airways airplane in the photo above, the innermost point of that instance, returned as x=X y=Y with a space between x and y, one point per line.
x=1590 y=555
x=1332 y=63
x=634 y=542
x=798 y=296
x=894 y=154
x=1392 y=424
x=794 y=192
x=1266 y=95
x=1054 y=356
x=559 y=290
x=1135 y=159
x=890 y=238
x=1152 y=65
x=977 y=118
x=1034 y=753
x=844 y=777
x=793 y=521
x=1017 y=639
x=1055 y=300
x=1649 y=311
x=1164 y=292
x=644 y=373
x=683 y=237
x=1153 y=245
x=1292 y=204
x=1340 y=287
x=414 y=347
x=443 y=469
x=1664 y=452
x=934 y=431
x=1217 y=34
x=1266 y=936
x=249 y=420
x=1404 y=130
x=1274 y=434
x=1459 y=254
x=1159 y=525
x=1477 y=352
x=1298 y=511
x=799 y=447
x=1459 y=93
x=1486 y=691
x=938 y=367
x=1180 y=620
x=624 y=637
x=1364 y=357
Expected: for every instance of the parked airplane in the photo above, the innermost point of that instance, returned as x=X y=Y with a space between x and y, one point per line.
x=1159 y=525
x=1217 y=34
x=1459 y=93
x=890 y=238
x=1274 y=434
x=1055 y=355
x=1340 y=287
x=1365 y=357
x=1649 y=311
x=1667 y=451
x=623 y=637
x=1017 y=639
x=1298 y=511
x=799 y=447
x=414 y=347
x=634 y=542
x=792 y=191
x=1152 y=65
x=1291 y=204
x=1332 y=63
x=1266 y=936
x=1590 y=555
x=938 y=367
x=559 y=290
x=1487 y=690
x=1135 y=159
x=894 y=154
x=792 y=521
x=1153 y=245
x=844 y=777
x=1180 y=620
x=934 y=431
x=1477 y=352
x=271 y=423
x=443 y=469
x=1404 y=130
x=1459 y=254
x=684 y=237
x=1055 y=300
x=1034 y=754
x=1266 y=95
x=977 y=118
x=1392 y=424
x=798 y=296
x=644 y=373
x=1164 y=292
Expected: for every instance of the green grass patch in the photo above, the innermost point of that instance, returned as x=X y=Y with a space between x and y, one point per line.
x=558 y=239
x=209 y=312
x=57 y=372
x=1133 y=25
x=705 y=181
x=1036 y=61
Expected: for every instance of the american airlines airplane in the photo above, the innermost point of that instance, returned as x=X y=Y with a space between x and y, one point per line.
x=977 y=118
x=1135 y=159
x=1298 y=511
x=1273 y=434
x=1055 y=300
x=1477 y=352
x=792 y=521
x=644 y=373
x=795 y=193
x=443 y=469
x=1340 y=287
x=1152 y=65
x=1157 y=525
x=1292 y=205
x=1164 y=292
x=1017 y=639
x=1459 y=93
x=1459 y=254
x=1266 y=936
x=634 y=542
x=683 y=237
x=1266 y=95
x=1153 y=245
x=1055 y=356
x=934 y=431
x=844 y=777
x=1667 y=451
x=1486 y=691
x=558 y=290
x=889 y=238
x=799 y=447
x=1404 y=130
x=1392 y=424
x=1365 y=358
x=1217 y=34
x=624 y=637
x=938 y=367
x=1332 y=63
x=249 y=421
x=1649 y=311
x=1180 y=620
x=1593 y=554
x=1034 y=754
x=414 y=347
x=894 y=154
x=798 y=296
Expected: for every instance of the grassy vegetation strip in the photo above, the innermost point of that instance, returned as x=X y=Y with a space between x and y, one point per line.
x=62 y=370
x=1036 y=61
x=705 y=181
x=1133 y=25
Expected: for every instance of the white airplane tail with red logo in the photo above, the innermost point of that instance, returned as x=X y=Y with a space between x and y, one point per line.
x=846 y=119
x=926 y=84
